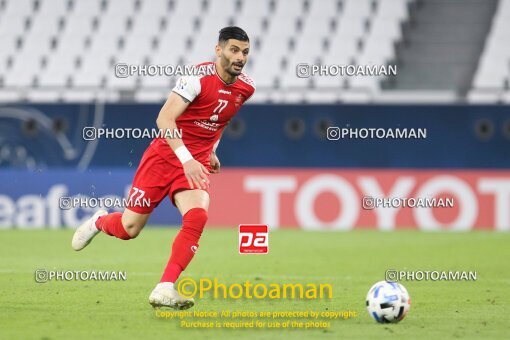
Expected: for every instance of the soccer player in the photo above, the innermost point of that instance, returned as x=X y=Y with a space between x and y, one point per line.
x=200 y=106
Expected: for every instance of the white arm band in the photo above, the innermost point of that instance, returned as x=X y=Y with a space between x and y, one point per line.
x=215 y=146
x=183 y=154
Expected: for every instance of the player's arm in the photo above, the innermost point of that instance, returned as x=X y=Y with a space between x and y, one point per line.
x=195 y=172
x=215 y=162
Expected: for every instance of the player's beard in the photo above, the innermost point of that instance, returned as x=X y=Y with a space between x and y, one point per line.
x=229 y=67
x=233 y=71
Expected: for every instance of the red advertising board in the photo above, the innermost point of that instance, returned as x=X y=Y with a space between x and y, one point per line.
x=331 y=199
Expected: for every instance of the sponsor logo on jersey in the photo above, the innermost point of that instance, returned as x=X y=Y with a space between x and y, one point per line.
x=214 y=118
x=207 y=125
x=224 y=91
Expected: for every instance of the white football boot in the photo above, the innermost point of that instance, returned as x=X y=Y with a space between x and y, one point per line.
x=86 y=232
x=165 y=295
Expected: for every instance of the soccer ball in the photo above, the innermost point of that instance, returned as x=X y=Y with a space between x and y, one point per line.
x=388 y=302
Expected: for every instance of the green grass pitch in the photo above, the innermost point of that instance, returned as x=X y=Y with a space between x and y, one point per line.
x=350 y=261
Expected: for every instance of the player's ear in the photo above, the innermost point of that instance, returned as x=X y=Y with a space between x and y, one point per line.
x=218 y=50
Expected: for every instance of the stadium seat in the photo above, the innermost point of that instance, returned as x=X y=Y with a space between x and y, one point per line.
x=357 y=9
x=394 y=9
x=494 y=63
x=77 y=43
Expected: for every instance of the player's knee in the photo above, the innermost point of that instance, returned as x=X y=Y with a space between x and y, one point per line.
x=133 y=228
x=194 y=221
x=133 y=223
x=132 y=231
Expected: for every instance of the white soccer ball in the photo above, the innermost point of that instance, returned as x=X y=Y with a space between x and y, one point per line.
x=388 y=302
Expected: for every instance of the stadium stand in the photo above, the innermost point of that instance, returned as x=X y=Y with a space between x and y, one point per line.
x=66 y=50
x=492 y=80
x=442 y=44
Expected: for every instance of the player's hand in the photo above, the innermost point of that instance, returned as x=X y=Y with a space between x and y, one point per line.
x=196 y=174
x=215 y=163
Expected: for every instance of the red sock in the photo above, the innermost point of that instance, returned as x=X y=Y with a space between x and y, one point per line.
x=185 y=244
x=111 y=224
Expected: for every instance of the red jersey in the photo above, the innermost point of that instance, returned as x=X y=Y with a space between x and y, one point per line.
x=213 y=104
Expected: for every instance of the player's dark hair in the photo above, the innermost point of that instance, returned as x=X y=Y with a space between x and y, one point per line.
x=232 y=32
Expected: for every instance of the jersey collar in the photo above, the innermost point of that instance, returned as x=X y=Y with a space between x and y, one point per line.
x=225 y=83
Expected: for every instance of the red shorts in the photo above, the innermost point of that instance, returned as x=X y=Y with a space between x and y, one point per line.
x=155 y=178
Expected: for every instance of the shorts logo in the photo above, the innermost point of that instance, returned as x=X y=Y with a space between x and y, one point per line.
x=194 y=249
x=214 y=118
x=253 y=239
